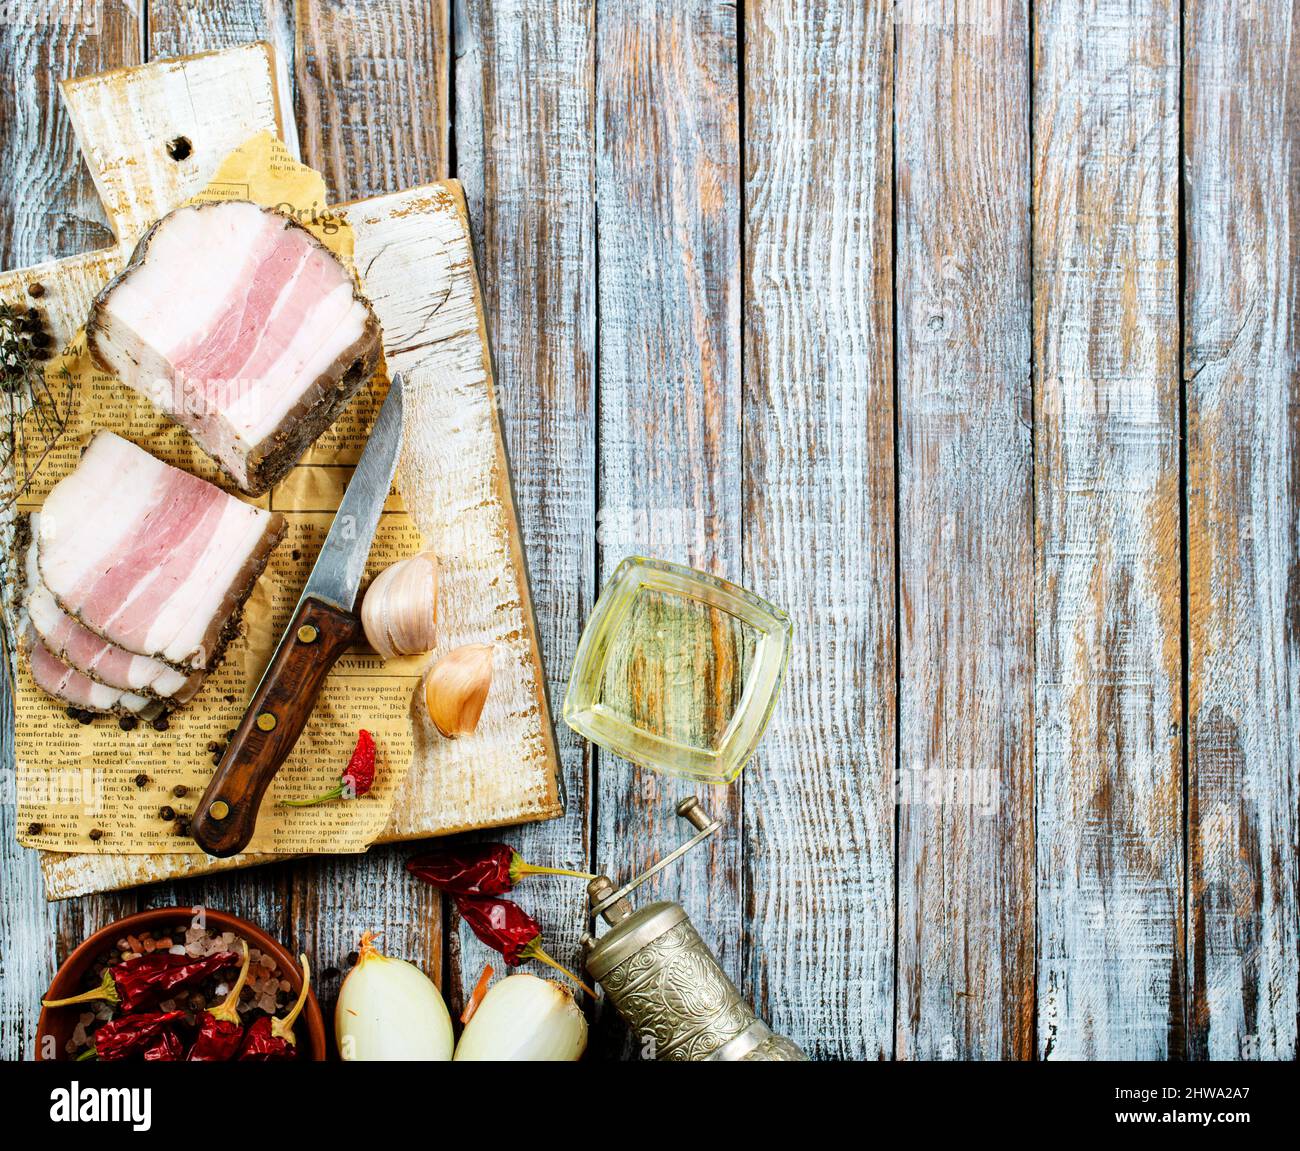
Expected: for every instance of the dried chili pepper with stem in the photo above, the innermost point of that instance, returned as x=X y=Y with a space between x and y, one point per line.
x=508 y=928
x=271 y=1040
x=479 y=869
x=220 y=1030
x=357 y=779
x=128 y=1035
x=136 y=983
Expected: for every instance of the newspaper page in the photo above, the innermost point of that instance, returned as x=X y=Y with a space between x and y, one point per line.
x=95 y=787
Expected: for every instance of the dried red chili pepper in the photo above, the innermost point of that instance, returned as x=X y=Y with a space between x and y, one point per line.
x=478 y=869
x=272 y=1040
x=508 y=928
x=141 y=982
x=167 y=1048
x=128 y=1035
x=220 y=1031
x=358 y=777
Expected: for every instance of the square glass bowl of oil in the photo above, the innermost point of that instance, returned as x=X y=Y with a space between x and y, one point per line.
x=678 y=670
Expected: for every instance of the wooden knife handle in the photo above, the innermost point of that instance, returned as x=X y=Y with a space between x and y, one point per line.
x=224 y=820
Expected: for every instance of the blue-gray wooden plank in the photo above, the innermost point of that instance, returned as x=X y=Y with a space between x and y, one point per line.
x=1241 y=363
x=965 y=533
x=818 y=535
x=1108 y=660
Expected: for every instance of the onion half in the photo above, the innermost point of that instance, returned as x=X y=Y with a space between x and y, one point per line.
x=524 y=1019
x=389 y=1009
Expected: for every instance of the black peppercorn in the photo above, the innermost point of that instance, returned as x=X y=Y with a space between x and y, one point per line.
x=127 y=723
x=35 y=828
x=167 y=813
x=180 y=791
x=160 y=724
x=86 y=717
x=96 y=834
x=36 y=291
x=142 y=780
x=213 y=746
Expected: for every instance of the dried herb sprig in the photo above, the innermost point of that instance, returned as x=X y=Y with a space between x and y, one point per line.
x=37 y=415
x=24 y=345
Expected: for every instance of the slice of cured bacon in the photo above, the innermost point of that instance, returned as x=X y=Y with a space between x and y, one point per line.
x=150 y=558
x=56 y=678
x=82 y=650
x=243 y=328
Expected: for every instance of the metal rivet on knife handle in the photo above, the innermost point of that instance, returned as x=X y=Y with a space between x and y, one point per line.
x=265 y=721
x=219 y=810
x=307 y=634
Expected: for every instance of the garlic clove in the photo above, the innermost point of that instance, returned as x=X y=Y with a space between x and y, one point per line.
x=400 y=609
x=456 y=689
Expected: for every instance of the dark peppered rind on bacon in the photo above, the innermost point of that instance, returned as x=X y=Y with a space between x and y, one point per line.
x=239 y=325
x=277 y=455
x=150 y=558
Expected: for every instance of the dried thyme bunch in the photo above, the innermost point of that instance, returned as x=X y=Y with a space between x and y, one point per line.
x=23 y=341
x=36 y=416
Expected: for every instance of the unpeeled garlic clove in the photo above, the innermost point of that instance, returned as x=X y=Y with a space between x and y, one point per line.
x=456 y=688
x=400 y=610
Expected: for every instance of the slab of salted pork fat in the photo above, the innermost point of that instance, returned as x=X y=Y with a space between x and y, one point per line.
x=150 y=558
x=237 y=323
x=80 y=649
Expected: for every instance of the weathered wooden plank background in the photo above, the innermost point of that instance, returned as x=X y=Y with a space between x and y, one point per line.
x=967 y=330
x=965 y=535
x=1241 y=371
x=1108 y=747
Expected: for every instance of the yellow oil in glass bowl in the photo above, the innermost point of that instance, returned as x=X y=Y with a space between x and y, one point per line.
x=678 y=670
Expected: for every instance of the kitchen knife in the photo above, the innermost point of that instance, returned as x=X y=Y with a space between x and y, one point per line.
x=323 y=626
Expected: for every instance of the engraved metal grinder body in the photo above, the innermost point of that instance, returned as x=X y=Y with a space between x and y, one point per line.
x=664 y=980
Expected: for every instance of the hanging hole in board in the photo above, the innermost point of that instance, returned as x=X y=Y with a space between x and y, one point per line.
x=179 y=148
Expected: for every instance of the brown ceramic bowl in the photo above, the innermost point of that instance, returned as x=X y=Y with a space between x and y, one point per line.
x=60 y=1022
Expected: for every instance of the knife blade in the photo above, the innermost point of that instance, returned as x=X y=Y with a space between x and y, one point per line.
x=323 y=625
x=336 y=577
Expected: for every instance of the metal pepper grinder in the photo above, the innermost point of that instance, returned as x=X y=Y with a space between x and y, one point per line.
x=664 y=980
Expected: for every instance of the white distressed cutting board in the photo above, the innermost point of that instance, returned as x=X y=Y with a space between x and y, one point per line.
x=414 y=255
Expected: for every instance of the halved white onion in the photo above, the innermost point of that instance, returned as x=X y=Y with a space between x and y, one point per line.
x=524 y=1019
x=389 y=1009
